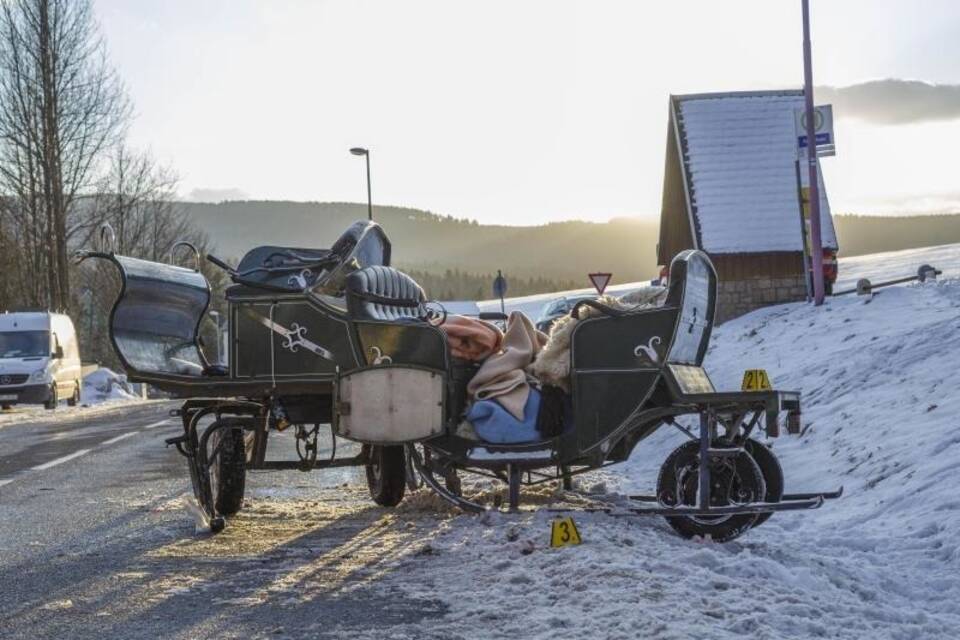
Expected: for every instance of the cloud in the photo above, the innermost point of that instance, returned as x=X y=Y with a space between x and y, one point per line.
x=215 y=195
x=893 y=101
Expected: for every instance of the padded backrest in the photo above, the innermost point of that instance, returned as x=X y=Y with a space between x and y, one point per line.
x=693 y=288
x=383 y=293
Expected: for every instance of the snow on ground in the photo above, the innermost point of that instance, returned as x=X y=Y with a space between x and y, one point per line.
x=880 y=413
x=532 y=305
x=104 y=385
x=102 y=390
x=879 y=267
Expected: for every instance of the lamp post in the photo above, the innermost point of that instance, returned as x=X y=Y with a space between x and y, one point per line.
x=360 y=151
x=816 y=247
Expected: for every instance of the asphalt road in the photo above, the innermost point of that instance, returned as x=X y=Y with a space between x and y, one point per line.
x=96 y=541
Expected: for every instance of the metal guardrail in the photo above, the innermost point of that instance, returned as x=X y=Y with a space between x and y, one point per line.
x=865 y=287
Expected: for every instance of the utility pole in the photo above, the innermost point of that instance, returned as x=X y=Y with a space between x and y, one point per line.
x=816 y=245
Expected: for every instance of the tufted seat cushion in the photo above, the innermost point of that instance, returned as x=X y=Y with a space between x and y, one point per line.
x=383 y=293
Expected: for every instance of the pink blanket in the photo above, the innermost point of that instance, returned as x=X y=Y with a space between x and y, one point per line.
x=471 y=339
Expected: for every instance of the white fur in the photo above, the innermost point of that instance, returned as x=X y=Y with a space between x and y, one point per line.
x=552 y=365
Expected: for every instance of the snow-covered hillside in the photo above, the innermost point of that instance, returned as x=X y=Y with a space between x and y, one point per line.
x=891 y=265
x=877 y=267
x=880 y=417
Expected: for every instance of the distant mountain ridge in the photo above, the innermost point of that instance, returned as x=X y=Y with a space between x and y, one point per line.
x=426 y=241
x=562 y=251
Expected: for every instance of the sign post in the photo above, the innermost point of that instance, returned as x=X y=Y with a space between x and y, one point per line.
x=815 y=240
x=500 y=289
x=600 y=281
x=823 y=130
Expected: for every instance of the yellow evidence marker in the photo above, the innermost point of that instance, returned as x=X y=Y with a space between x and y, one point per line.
x=563 y=532
x=755 y=380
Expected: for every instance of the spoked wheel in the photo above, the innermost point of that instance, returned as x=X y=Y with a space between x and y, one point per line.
x=733 y=480
x=772 y=474
x=386 y=473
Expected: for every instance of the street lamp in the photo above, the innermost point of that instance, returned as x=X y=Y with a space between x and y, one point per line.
x=360 y=151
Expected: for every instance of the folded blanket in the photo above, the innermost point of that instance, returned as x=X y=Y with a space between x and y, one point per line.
x=496 y=425
x=471 y=339
x=502 y=376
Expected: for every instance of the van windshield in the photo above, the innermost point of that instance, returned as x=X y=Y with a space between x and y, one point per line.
x=24 y=344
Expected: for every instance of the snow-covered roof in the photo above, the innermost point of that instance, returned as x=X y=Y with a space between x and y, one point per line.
x=739 y=159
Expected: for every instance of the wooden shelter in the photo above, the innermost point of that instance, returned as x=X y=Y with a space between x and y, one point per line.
x=732 y=188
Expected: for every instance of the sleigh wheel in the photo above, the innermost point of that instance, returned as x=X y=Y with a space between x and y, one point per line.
x=228 y=472
x=772 y=474
x=386 y=473
x=733 y=480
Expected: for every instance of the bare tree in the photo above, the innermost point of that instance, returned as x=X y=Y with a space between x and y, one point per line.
x=136 y=196
x=61 y=107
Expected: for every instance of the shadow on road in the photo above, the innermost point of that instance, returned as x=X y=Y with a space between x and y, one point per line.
x=284 y=565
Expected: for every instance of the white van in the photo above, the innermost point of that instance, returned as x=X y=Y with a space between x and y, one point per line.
x=39 y=359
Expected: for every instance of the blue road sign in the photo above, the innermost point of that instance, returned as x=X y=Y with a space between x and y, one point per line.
x=822 y=139
x=499 y=285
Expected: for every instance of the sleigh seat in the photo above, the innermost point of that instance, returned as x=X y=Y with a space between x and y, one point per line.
x=383 y=293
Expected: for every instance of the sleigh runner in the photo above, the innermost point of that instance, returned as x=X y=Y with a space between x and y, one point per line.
x=338 y=337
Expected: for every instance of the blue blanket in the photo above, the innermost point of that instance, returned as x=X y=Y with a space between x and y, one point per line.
x=496 y=425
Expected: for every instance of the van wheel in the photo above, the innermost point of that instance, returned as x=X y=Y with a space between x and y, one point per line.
x=53 y=400
x=5 y=407
x=74 y=400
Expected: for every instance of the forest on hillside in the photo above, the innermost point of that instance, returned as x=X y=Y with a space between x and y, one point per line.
x=458 y=258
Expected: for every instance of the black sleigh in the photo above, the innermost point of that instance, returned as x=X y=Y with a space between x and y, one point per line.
x=336 y=337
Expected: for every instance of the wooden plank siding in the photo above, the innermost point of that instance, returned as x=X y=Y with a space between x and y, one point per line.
x=675 y=232
x=744 y=266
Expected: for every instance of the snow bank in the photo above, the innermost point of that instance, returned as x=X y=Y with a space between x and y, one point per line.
x=104 y=385
x=879 y=267
x=532 y=305
x=103 y=390
x=880 y=413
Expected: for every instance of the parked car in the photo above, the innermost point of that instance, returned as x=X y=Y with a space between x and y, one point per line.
x=39 y=359
x=557 y=308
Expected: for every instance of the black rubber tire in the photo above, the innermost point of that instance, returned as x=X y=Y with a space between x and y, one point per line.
x=680 y=466
x=54 y=400
x=386 y=473
x=6 y=407
x=229 y=471
x=74 y=400
x=772 y=473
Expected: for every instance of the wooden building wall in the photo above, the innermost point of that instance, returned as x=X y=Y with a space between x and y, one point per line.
x=749 y=281
x=675 y=232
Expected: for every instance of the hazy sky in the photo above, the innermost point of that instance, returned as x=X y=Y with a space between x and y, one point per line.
x=520 y=111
